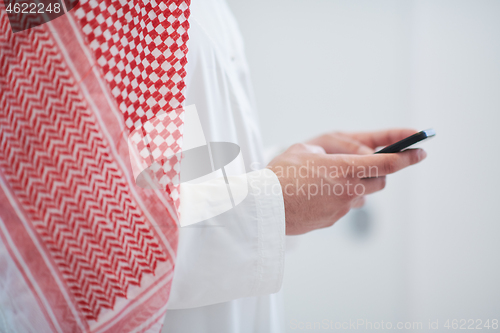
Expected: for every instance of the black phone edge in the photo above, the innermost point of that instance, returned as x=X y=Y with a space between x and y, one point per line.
x=407 y=142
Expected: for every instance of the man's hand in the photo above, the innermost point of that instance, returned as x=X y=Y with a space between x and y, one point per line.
x=359 y=143
x=323 y=179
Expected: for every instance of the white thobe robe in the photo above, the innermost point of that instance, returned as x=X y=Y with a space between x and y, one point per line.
x=229 y=269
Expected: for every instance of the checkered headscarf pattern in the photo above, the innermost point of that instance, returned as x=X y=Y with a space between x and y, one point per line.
x=82 y=238
x=159 y=146
x=140 y=46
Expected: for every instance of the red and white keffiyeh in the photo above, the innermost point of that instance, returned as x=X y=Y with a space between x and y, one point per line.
x=96 y=251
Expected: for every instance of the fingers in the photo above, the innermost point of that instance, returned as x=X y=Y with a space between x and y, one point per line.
x=376 y=165
x=372 y=185
x=338 y=143
x=382 y=138
x=306 y=148
x=346 y=145
x=391 y=163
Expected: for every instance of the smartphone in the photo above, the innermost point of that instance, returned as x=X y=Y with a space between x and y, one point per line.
x=407 y=142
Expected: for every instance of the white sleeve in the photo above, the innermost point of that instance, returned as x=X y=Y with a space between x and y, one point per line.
x=237 y=254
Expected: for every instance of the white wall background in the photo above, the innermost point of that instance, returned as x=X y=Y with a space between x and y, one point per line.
x=432 y=248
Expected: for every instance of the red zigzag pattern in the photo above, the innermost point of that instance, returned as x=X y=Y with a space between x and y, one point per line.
x=60 y=168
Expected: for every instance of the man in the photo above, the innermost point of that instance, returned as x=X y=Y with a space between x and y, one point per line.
x=229 y=268
x=85 y=248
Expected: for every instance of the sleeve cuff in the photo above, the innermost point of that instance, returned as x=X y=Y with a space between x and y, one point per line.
x=239 y=253
x=266 y=188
